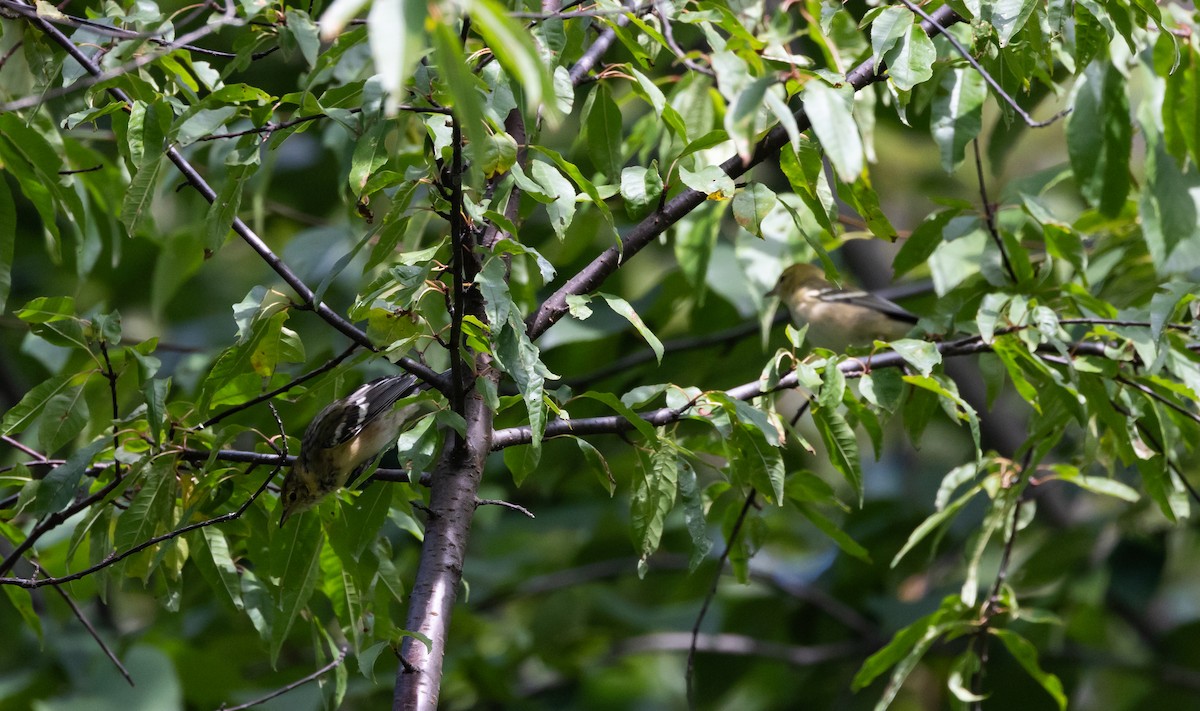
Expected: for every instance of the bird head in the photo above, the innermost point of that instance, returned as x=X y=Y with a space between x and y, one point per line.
x=298 y=493
x=796 y=277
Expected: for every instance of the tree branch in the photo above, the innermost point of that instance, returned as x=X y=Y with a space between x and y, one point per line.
x=593 y=275
x=243 y=230
x=855 y=367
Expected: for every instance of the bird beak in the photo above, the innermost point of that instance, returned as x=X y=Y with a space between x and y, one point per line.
x=283 y=518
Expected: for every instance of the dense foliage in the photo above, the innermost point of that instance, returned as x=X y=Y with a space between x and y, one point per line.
x=635 y=488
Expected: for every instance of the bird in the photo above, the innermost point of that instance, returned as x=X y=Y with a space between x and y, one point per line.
x=838 y=318
x=345 y=438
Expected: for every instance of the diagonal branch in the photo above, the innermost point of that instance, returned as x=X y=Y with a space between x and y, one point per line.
x=243 y=230
x=603 y=266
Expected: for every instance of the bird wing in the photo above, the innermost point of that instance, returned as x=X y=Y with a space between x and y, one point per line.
x=362 y=406
x=867 y=300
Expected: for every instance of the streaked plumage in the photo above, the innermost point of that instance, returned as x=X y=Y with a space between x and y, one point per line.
x=344 y=439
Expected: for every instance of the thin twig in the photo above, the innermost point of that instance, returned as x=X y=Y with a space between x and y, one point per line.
x=52 y=521
x=326 y=367
x=98 y=76
x=962 y=51
x=979 y=643
x=111 y=376
x=112 y=559
x=121 y=33
x=91 y=630
x=742 y=645
x=989 y=213
x=645 y=232
x=852 y=368
x=295 y=684
x=243 y=230
x=16 y=444
x=689 y=680
x=504 y=504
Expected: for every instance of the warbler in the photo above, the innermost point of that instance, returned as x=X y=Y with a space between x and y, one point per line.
x=345 y=438
x=838 y=318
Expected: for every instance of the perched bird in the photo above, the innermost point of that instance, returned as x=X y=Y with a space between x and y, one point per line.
x=838 y=318
x=345 y=438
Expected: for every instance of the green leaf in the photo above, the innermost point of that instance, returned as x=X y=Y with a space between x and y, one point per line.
x=832 y=117
x=604 y=132
x=598 y=463
x=215 y=563
x=1007 y=16
x=841 y=445
x=693 y=514
x=752 y=205
x=584 y=184
x=1100 y=137
x=47 y=309
x=653 y=498
x=296 y=554
x=464 y=89
x=64 y=417
x=922 y=355
x=1096 y=484
x=520 y=358
x=640 y=188
x=957 y=114
x=22 y=600
x=148 y=515
x=1026 y=654
x=645 y=428
x=555 y=185
x=622 y=307
x=365 y=517
x=754 y=462
x=865 y=200
x=59 y=487
x=904 y=651
x=513 y=46
x=499 y=154
x=935 y=521
x=910 y=62
x=710 y=180
x=920 y=245
x=32 y=404
x=836 y=534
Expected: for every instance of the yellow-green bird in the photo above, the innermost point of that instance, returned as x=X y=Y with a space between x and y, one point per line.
x=345 y=438
x=838 y=318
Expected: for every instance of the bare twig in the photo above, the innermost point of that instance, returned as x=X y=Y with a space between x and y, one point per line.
x=112 y=559
x=295 y=684
x=853 y=368
x=940 y=24
x=504 y=504
x=989 y=213
x=604 y=265
x=741 y=645
x=121 y=33
x=689 y=675
x=324 y=368
x=111 y=376
x=98 y=76
x=91 y=630
x=242 y=229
